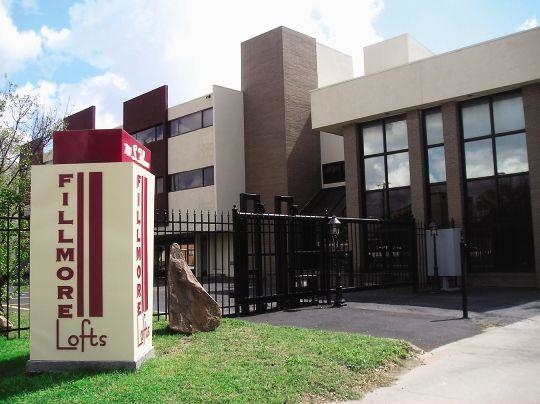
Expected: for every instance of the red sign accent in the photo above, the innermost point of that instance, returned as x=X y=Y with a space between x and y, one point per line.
x=144 y=242
x=80 y=244
x=98 y=146
x=95 y=219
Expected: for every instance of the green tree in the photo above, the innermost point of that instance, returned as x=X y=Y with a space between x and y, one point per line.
x=26 y=127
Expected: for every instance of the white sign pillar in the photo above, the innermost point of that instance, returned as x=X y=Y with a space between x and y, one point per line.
x=91 y=254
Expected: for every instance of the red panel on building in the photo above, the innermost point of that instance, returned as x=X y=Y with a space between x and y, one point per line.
x=85 y=119
x=98 y=146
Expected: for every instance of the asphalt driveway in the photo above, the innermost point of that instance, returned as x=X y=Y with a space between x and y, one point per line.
x=426 y=320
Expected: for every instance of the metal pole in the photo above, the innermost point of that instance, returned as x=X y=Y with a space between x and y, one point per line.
x=464 y=299
x=339 y=300
x=435 y=264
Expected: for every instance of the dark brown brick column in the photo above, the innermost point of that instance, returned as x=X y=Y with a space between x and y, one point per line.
x=453 y=157
x=353 y=173
x=282 y=152
x=531 y=106
x=417 y=165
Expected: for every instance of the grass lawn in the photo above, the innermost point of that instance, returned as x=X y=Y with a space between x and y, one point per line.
x=239 y=362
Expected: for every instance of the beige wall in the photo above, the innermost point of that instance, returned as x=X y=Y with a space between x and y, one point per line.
x=392 y=53
x=197 y=104
x=196 y=199
x=229 y=167
x=331 y=151
x=332 y=67
x=484 y=68
x=190 y=151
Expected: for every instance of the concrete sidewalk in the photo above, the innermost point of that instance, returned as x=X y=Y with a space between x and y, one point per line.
x=501 y=365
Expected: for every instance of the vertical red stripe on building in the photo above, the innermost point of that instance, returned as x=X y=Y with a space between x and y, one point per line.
x=96 y=244
x=80 y=244
x=145 y=242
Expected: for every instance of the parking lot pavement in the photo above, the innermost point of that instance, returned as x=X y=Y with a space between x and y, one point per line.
x=426 y=320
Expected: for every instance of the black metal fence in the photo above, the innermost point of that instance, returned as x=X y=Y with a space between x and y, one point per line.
x=14 y=273
x=500 y=246
x=248 y=262
x=207 y=242
x=286 y=260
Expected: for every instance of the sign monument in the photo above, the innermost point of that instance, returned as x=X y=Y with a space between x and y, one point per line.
x=91 y=256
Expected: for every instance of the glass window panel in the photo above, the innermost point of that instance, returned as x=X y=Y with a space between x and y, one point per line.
x=208 y=117
x=173 y=127
x=508 y=113
x=481 y=199
x=208 y=176
x=333 y=172
x=400 y=203
x=475 y=118
x=159 y=185
x=436 y=164
x=479 y=158
x=434 y=127
x=190 y=122
x=514 y=197
x=159 y=132
x=396 y=135
x=398 y=170
x=439 y=205
x=374 y=204
x=145 y=136
x=511 y=154
x=187 y=180
x=374 y=172
x=373 y=138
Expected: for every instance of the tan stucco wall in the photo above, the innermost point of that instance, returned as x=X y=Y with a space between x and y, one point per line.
x=332 y=67
x=393 y=52
x=476 y=70
x=196 y=199
x=229 y=167
x=191 y=150
x=197 y=104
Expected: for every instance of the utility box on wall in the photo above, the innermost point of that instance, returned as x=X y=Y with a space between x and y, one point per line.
x=91 y=254
x=448 y=252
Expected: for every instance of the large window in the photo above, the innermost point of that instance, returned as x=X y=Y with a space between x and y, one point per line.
x=333 y=172
x=437 y=200
x=200 y=177
x=149 y=135
x=386 y=169
x=192 y=122
x=497 y=184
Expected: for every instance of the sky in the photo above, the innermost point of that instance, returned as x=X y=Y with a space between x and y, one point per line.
x=77 y=53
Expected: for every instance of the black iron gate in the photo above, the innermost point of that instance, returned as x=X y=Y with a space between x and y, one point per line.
x=283 y=260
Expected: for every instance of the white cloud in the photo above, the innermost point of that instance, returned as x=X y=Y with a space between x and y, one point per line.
x=188 y=45
x=54 y=39
x=30 y=6
x=16 y=47
x=528 y=24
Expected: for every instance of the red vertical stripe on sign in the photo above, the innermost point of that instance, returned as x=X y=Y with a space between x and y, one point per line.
x=96 y=244
x=80 y=244
x=145 y=243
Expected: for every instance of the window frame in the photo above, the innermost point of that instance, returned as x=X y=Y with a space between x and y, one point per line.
x=385 y=190
x=200 y=171
x=340 y=164
x=176 y=122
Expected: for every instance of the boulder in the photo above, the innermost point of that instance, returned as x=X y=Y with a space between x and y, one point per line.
x=4 y=323
x=191 y=308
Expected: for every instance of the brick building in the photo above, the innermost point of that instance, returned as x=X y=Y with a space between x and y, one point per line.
x=451 y=138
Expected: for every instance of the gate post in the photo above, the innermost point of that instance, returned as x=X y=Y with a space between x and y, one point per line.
x=241 y=284
x=280 y=241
